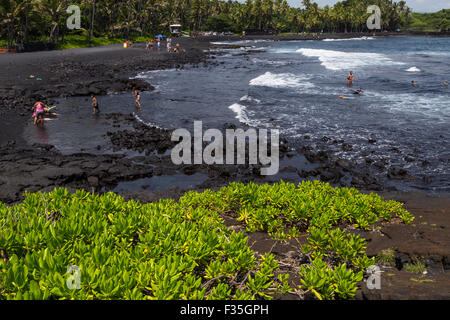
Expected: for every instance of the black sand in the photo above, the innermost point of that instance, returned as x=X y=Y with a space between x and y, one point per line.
x=102 y=70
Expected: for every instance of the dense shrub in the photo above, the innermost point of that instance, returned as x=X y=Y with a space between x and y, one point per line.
x=183 y=250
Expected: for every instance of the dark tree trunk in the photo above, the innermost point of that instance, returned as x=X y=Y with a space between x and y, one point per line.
x=25 y=40
x=91 y=32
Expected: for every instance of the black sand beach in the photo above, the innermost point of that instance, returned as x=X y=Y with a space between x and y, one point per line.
x=103 y=70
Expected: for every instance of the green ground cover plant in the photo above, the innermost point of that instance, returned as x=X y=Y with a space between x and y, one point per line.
x=183 y=250
x=386 y=257
x=126 y=250
x=416 y=266
x=81 y=41
x=337 y=257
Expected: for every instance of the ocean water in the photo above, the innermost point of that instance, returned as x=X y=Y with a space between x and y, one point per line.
x=295 y=87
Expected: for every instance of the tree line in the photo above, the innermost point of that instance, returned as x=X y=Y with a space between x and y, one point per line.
x=22 y=21
x=437 y=21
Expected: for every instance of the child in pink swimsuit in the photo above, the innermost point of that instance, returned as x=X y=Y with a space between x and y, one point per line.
x=39 y=109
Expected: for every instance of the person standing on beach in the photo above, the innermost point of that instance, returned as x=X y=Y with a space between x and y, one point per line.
x=350 y=79
x=138 y=98
x=158 y=43
x=95 y=104
x=169 y=45
x=177 y=48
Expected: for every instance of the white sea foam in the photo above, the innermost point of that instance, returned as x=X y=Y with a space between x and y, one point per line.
x=250 y=99
x=240 y=113
x=350 y=39
x=281 y=80
x=413 y=69
x=339 y=60
x=149 y=74
x=428 y=104
x=148 y=124
x=272 y=62
x=226 y=42
x=283 y=50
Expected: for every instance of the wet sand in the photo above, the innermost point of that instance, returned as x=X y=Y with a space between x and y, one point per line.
x=80 y=72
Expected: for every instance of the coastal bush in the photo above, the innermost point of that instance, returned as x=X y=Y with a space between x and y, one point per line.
x=126 y=250
x=386 y=257
x=416 y=266
x=326 y=214
x=183 y=250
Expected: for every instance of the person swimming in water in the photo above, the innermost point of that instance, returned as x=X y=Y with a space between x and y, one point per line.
x=445 y=84
x=413 y=83
x=350 y=79
x=359 y=91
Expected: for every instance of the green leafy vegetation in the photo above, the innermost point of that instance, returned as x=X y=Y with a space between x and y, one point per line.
x=126 y=250
x=28 y=21
x=183 y=250
x=438 y=21
x=422 y=280
x=416 y=266
x=80 y=41
x=386 y=257
x=285 y=211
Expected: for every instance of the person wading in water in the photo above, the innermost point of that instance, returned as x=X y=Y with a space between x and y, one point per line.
x=138 y=98
x=350 y=79
x=95 y=104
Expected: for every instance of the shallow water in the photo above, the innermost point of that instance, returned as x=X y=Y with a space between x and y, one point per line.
x=295 y=87
x=165 y=182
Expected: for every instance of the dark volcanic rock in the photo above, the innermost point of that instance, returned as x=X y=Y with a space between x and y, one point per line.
x=346 y=147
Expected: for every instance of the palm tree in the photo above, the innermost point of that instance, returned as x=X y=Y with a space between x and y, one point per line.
x=110 y=17
x=9 y=11
x=53 y=9
x=91 y=31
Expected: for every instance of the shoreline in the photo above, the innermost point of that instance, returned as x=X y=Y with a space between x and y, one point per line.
x=79 y=72
x=112 y=69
